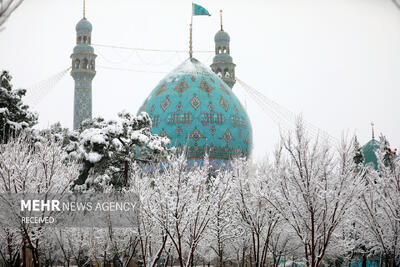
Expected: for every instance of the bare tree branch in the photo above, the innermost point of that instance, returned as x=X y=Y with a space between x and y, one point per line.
x=7 y=7
x=397 y=3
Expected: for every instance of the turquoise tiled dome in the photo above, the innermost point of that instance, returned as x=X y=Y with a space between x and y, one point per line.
x=83 y=25
x=197 y=110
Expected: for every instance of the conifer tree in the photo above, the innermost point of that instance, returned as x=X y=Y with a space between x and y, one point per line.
x=14 y=114
x=358 y=155
x=389 y=154
x=107 y=149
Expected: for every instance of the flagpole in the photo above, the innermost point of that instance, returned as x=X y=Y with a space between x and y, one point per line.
x=190 y=38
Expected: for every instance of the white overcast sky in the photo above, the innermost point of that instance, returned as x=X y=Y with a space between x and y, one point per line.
x=337 y=62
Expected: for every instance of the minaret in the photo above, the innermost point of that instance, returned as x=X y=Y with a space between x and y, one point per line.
x=222 y=64
x=83 y=71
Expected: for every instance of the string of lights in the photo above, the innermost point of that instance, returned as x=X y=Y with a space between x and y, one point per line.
x=283 y=117
x=36 y=92
x=132 y=70
x=152 y=50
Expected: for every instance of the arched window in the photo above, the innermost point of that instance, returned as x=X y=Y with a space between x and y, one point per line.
x=77 y=62
x=226 y=73
x=85 y=64
x=92 y=64
x=219 y=73
x=84 y=39
x=79 y=39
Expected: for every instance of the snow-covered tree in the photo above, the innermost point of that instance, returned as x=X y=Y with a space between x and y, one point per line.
x=224 y=226
x=256 y=213
x=11 y=243
x=314 y=189
x=284 y=246
x=144 y=239
x=49 y=249
x=108 y=149
x=56 y=132
x=181 y=202
x=14 y=114
x=389 y=154
x=123 y=245
x=40 y=169
x=358 y=154
x=380 y=209
x=7 y=7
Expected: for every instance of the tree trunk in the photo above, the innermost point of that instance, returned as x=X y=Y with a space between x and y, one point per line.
x=364 y=262
x=126 y=172
x=243 y=256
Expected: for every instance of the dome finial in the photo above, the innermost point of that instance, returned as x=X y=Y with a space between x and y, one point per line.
x=373 y=130
x=220 y=16
x=84 y=8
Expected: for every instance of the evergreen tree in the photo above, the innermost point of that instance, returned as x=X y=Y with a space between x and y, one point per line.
x=107 y=149
x=14 y=114
x=389 y=154
x=54 y=133
x=358 y=156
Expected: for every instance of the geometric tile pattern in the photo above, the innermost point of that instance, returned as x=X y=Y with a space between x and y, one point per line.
x=223 y=103
x=161 y=89
x=83 y=70
x=227 y=91
x=165 y=104
x=181 y=87
x=185 y=107
x=196 y=135
x=82 y=106
x=227 y=136
x=206 y=87
x=213 y=130
x=195 y=102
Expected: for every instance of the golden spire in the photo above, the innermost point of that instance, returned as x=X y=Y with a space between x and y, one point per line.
x=220 y=16
x=373 y=130
x=84 y=8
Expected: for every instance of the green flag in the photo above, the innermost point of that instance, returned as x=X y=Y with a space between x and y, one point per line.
x=199 y=10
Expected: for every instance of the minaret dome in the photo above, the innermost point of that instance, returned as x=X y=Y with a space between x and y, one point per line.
x=223 y=64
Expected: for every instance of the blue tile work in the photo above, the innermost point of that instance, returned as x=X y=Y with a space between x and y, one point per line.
x=196 y=109
x=359 y=264
x=369 y=263
x=83 y=72
x=223 y=64
x=82 y=105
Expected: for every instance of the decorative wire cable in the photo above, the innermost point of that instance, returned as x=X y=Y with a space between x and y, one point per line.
x=284 y=118
x=152 y=50
x=36 y=92
x=132 y=70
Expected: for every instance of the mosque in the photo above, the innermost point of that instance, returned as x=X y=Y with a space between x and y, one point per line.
x=194 y=105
